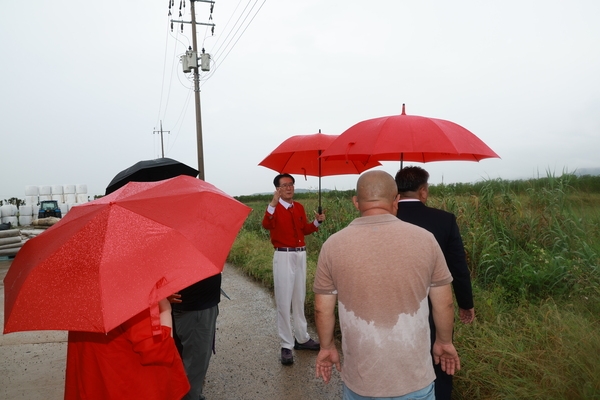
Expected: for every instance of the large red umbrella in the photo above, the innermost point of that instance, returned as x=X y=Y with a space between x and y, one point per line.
x=300 y=154
x=109 y=259
x=408 y=138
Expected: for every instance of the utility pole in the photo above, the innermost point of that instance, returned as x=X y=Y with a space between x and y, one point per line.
x=190 y=61
x=197 y=98
x=162 y=147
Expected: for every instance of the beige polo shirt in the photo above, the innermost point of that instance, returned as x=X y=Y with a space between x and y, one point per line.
x=381 y=269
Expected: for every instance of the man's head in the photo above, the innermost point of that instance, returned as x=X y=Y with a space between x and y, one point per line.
x=412 y=183
x=376 y=193
x=285 y=186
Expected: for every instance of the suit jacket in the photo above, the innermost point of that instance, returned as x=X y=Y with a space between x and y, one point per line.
x=445 y=229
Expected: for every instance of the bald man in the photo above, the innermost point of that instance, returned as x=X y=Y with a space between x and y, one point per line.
x=381 y=285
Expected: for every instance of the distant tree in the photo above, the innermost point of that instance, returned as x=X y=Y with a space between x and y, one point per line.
x=13 y=200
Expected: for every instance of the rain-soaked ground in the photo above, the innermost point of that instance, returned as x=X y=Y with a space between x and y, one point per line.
x=246 y=364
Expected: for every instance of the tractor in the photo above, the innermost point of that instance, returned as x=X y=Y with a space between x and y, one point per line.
x=49 y=208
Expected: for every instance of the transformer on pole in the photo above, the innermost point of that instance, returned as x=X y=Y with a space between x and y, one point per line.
x=189 y=62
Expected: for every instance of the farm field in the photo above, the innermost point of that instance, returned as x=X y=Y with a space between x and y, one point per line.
x=533 y=248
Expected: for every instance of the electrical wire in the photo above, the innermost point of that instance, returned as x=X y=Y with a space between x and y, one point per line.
x=226 y=45
x=218 y=62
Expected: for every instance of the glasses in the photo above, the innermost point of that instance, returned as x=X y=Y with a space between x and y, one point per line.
x=287 y=185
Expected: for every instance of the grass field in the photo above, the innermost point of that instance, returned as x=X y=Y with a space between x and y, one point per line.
x=533 y=248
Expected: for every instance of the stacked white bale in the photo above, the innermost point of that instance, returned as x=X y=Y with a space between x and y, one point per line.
x=13 y=220
x=70 y=198
x=57 y=193
x=45 y=193
x=82 y=196
x=36 y=209
x=25 y=220
x=7 y=214
x=26 y=210
x=32 y=200
x=7 y=210
x=32 y=191
x=69 y=189
x=25 y=215
x=64 y=208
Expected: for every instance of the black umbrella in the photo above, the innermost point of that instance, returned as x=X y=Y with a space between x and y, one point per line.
x=150 y=171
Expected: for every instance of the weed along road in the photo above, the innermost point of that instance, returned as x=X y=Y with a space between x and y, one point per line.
x=246 y=364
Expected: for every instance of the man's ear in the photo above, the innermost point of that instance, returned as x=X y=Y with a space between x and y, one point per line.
x=423 y=193
x=355 y=202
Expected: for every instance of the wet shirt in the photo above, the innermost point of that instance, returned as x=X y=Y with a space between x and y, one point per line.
x=381 y=269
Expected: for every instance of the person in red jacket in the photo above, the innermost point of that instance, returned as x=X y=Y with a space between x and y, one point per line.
x=287 y=224
x=129 y=362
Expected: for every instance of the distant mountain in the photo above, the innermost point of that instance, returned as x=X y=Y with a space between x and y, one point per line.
x=587 y=171
x=296 y=191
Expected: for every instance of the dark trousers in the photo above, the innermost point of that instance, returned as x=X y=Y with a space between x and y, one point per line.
x=194 y=336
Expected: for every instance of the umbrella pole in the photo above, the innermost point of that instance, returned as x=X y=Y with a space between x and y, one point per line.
x=320 y=210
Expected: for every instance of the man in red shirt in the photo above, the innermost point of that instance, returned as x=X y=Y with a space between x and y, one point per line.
x=287 y=224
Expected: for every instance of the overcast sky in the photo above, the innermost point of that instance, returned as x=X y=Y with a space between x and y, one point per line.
x=85 y=84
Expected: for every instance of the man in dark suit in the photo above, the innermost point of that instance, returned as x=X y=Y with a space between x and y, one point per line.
x=414 y=190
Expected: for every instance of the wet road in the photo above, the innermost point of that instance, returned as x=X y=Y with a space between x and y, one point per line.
x=246 y=365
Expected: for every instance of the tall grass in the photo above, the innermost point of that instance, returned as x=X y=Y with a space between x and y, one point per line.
x=544 y=350
x=533 y=248
x=535 y=245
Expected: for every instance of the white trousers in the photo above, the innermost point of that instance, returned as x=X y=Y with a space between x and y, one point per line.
x=289 y=276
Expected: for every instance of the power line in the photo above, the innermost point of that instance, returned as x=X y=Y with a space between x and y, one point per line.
x=228 y=38
x=217 y=64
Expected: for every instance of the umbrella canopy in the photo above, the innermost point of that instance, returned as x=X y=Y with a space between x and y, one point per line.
x=150 y=171
x=408 y=138
x=300 y=154
x=111 y=258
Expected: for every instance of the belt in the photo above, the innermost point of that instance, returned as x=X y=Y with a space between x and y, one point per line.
x=303 y=248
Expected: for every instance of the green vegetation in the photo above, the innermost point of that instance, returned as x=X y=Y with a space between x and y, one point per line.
x=13 y=200
x=533 y=248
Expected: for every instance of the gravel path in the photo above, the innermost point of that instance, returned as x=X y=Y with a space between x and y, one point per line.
x=246 y=365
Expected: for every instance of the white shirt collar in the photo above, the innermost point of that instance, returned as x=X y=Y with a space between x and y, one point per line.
x=285 y=203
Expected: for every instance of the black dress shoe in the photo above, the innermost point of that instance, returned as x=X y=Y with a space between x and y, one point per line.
x=309 y=345
x=287 y=358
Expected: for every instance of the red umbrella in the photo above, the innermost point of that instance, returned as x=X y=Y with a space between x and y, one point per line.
x=300 y=154
x=109 y=259
x=408 y=138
